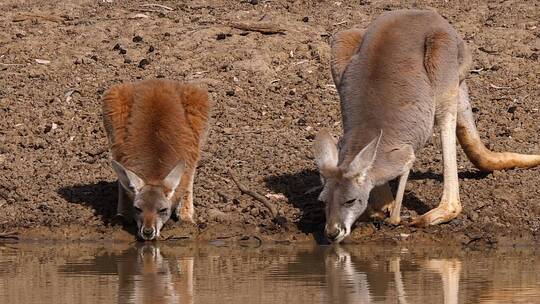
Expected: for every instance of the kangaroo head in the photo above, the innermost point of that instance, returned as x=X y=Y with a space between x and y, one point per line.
x=346 y=186
x=152 y=202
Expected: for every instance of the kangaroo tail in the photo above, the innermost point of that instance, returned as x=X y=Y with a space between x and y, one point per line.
x=480 y=156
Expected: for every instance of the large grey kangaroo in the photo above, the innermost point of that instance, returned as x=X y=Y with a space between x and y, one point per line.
x=395 y=79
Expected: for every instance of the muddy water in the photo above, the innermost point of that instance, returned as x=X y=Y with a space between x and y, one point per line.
x=182 y=273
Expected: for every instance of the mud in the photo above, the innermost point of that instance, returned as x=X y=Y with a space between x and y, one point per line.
x=272 y=92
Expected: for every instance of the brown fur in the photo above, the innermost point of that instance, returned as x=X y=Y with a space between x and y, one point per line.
x=344 y=45
x=153 y=124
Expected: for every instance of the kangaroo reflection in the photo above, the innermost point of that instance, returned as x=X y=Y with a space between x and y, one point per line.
x=344 y=282
x=359 y=279
x=145 y=276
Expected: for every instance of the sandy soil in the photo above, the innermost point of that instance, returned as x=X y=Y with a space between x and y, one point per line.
x=273 y=92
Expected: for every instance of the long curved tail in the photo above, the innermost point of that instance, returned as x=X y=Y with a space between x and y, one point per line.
x=480 y=156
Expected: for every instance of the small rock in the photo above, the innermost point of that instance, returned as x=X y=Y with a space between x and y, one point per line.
x=495 y=68
x=116 y=47
x=127 y=60
x=151 y=49
x=123 y=51
x=280 y=220
x=310 y=137
x=42 y=61
x=221 y=36
x=216 y=215
x=305 y=19
x=230 y=93
x=143 y=63
x=254 y=2
x=255 y=211
x=94 y=57
x=137 y=39
x=473 y=216
x=138 y=16
x=512 y=109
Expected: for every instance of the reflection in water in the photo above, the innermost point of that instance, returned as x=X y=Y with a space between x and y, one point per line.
x=161 y=273
x=145 y=276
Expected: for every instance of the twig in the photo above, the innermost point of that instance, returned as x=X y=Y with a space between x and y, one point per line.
x=477 y=71
x=498 y=87
x=340 y=23
x=157 y=5
x=148 y=10
x=9 y=235
x=513 y=88
x=261 y=27
x=255 y=195
x=25 y=17
x=491 y=52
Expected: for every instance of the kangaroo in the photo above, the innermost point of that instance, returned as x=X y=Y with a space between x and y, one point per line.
x=155 y=129
x=395 y=79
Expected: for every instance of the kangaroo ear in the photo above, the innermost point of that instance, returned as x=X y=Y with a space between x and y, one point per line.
x=128 y=179
x=362 y=162
x=172 y=180
x=325 y=152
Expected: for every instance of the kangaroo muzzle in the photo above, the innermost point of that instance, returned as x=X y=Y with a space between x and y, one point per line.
x=147 y=233
x=335 y=233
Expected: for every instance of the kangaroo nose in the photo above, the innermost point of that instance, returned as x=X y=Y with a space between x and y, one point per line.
x=148 y=233
x=332 y=232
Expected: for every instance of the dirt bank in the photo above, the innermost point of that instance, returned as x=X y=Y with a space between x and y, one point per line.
x=273 y=92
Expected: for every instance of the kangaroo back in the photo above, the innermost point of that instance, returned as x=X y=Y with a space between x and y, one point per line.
x=153 y=124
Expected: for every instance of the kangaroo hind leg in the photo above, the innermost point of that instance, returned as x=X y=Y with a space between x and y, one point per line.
x=442 y=67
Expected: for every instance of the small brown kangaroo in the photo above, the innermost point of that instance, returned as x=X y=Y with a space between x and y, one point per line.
x=395 y=79
x=155 y=129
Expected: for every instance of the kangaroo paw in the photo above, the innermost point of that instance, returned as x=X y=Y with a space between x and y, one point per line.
x=439 y=215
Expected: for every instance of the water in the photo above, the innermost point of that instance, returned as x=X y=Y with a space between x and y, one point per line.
x=163 y=273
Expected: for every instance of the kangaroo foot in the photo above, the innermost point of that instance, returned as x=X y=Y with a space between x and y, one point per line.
x=442 y=214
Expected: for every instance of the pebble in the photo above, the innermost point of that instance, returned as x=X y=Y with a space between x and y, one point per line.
x=137 y=39
x=143 y=63
x=473 y=216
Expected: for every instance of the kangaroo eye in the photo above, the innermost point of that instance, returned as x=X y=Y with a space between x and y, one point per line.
x=349 y=203
x=163 y=210
x=138 y=210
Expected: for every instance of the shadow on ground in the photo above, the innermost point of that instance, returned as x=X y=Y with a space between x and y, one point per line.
x=101 y=197
x=417 y=175
x=301 y=190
